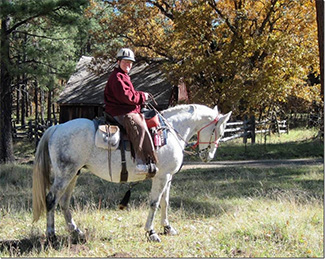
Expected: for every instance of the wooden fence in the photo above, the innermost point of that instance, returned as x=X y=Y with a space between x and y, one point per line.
x=246 y=129
x=249 y=127
x=32 y=131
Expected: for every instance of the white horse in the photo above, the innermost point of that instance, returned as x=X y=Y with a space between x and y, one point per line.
x=68 y=147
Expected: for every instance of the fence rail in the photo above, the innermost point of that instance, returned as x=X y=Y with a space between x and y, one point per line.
x=33 y=130
x=246 y=129
x=249 y=127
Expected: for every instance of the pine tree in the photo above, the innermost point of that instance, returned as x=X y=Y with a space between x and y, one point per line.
x=19 y=17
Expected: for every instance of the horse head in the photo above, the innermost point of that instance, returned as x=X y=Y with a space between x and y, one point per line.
x=208 y=136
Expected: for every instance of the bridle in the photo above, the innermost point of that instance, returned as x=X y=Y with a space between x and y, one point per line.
x=214 y=132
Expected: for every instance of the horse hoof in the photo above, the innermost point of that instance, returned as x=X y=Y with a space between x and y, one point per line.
x=153 y=237
x=77 y=237
x=52 y=239
x=169 y=230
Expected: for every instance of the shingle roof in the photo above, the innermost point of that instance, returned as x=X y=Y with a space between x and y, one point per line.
x=86 y=88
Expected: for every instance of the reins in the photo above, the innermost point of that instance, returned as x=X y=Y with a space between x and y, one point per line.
x=193 y=146
x=109 y=154
x=165 y=120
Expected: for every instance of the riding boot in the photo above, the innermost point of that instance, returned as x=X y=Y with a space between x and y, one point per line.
x=140 y=137
x=149 y=168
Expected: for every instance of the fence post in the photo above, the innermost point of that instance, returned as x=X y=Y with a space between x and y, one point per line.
x=253 y=129
x=245 y=126
x=286 y=126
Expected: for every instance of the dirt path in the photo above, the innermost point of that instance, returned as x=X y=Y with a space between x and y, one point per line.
x=255 y=163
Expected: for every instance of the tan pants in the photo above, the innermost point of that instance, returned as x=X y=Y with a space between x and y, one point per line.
x=139 y=136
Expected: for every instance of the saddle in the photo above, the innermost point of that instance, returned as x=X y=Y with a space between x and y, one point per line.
x=155 y=124
x=111 y=135
x=107 y=137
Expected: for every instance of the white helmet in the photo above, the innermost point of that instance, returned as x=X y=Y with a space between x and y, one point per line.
x=125 y=53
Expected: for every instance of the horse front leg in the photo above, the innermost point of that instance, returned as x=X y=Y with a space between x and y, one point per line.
x=164 y=204
x=159 y=185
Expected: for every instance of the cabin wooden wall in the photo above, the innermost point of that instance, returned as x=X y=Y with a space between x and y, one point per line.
x=69 y=112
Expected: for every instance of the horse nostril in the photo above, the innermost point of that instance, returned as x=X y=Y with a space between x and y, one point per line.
x=203 y=157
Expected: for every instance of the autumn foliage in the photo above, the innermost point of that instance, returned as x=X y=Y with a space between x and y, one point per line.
x=248 y=56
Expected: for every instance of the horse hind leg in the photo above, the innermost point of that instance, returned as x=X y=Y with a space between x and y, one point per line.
x=57 y=190
x=50 y=206
x=77 y=234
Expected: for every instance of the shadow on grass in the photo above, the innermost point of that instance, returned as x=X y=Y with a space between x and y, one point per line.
x=22 y=246
x=207 y=191
x=197 y=191
x=204 y=191
x=38 y=243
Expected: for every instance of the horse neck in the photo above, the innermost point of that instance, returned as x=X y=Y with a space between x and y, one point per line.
x=188 y=119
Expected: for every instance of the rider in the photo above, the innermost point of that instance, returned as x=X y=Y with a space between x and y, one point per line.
x=124 y=103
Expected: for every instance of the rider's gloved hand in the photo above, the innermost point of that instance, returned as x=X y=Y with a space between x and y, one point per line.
x=147 y=96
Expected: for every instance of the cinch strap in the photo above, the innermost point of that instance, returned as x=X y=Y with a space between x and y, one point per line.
x=124 y=172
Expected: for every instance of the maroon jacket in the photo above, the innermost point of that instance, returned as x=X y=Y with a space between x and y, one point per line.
x=120 y=96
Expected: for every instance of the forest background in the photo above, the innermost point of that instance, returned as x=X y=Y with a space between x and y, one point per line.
x=249 y=56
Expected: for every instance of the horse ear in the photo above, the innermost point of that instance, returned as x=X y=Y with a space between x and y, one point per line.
x=215 y=108
x=225 y=117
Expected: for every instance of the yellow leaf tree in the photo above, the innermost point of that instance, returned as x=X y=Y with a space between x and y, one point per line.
x=249 y=56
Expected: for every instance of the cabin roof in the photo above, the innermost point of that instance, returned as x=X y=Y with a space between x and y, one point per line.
x=86 y=88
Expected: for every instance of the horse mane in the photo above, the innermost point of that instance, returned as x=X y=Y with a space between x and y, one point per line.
x=176 y=110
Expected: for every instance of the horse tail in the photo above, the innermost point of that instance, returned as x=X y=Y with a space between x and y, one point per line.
x=41 y=174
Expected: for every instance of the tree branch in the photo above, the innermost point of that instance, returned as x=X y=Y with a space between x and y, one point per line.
x=41 y=36
x=267 y=18
x=213 y=4
x=148 y=46
x=165 y=11
x=15 y=26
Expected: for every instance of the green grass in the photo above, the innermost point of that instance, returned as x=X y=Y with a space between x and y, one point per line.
x=24 y=151
x=299 y=143
x=224 y=212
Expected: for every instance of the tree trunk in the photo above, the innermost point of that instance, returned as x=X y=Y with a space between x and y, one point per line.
x=18 y=100
x=36 y=102
x=42 y=105
x=18 y=93
x=320 y=29
x=49 y=105
x=54 y=112
x=29 y=105
x=6 y=145
x=23 y=101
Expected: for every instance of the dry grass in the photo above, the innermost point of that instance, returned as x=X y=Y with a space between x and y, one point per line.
x=226 y=212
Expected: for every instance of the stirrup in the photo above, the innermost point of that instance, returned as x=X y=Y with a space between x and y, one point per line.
x=152 y=169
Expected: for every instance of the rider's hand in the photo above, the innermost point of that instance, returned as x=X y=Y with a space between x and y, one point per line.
x=146 y=96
